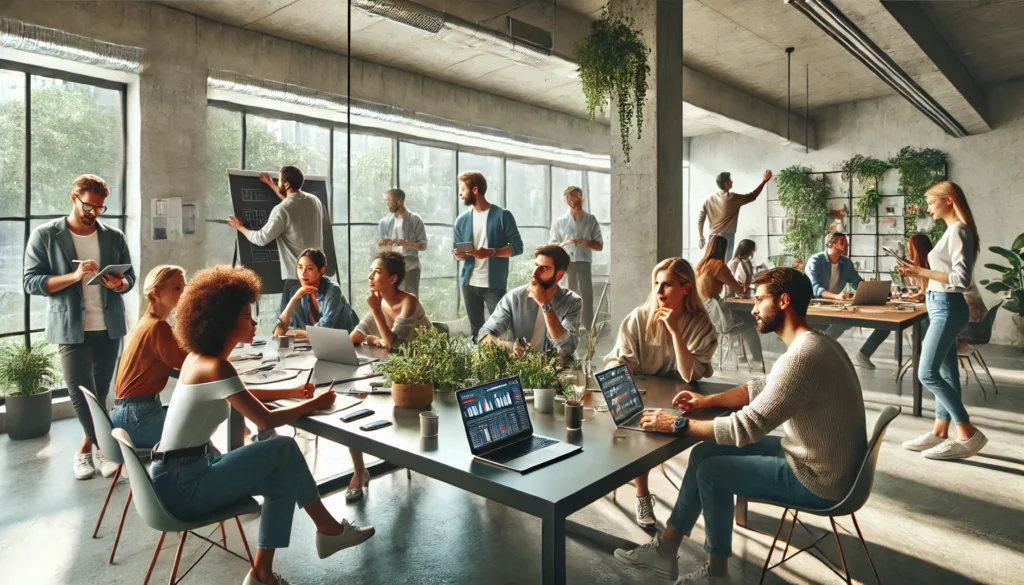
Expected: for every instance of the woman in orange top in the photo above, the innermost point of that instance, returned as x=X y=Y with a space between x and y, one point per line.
x=713 y=275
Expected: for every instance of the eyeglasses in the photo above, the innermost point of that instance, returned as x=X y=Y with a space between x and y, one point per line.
x=88 y=208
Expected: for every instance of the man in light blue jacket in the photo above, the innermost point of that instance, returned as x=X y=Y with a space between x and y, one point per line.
x=494 y=236
x=402 y=231
x=830 y=271
x=86 y=321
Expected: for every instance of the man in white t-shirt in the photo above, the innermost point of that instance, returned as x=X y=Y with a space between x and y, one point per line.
x=495 y=238
x=402 y=231
x=85 y=321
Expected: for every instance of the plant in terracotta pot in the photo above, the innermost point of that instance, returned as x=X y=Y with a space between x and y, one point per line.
x=1010 y=285
x=25 y=377
x=408 y=371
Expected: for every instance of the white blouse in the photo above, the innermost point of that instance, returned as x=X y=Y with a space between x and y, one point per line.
x=953 y=254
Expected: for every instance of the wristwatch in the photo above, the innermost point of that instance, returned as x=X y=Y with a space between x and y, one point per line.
x=545 y=307
x=681 y=423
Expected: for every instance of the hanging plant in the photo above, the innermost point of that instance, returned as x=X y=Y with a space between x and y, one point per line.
x=806 y=201
x=613 y=64
x=919 y=170
x=867 y=204
x=868 y=170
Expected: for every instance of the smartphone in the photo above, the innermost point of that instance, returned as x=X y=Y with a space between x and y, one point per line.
x=464 y=247
x=356 y=415
x=377 y=424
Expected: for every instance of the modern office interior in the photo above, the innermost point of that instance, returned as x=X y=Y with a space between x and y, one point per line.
x=848 y=129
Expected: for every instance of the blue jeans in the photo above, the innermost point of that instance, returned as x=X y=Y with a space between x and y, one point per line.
x=716 y=473
x=475 y=298
x=870 y=345
x=193 y=487
x=143 y=421
x=938 y=369
x=729 y=237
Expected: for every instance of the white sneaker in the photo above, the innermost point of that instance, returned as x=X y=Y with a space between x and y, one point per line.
x=250 y=580
x=645 y=510
x=925 y=441
x=649 y=557
x=864 y=361
x=83 y=466
x=107 y=467
x=351 y=535
x=957 y=449
x=702 y=576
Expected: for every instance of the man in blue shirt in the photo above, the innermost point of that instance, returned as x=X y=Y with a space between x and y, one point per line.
x=495 y=238
x=830 y=271
x=402 y=231
x=545 y=314
x=580 y=234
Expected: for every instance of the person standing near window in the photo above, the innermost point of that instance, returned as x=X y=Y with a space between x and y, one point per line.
x=402 y=231
x=722 y=210
x=86 y=322
x=495 y=238
x=580 y=234
x=297 y=223
x=951 y=263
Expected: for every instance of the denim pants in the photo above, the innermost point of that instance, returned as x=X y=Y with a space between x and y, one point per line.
x=476 y=297
x=143 y=421
x=716 y=473
x=90 y=364
x=939 y=369
x=870 y=345
x=193 y=487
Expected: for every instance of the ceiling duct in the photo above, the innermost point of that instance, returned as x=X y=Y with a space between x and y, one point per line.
x=835 y=24
x=51 y=42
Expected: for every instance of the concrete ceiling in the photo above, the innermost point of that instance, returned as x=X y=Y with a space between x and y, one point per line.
x=988 y=37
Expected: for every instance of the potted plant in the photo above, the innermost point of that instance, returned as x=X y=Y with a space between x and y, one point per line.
x=451 y=358
x=1011 y=284
x=408 y=371
x=537 y=373
x=25 y=376
x=573 y=407
x=613 y=65
x=493 y=361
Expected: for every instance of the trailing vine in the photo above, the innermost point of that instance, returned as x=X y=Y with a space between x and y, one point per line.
x=613 y=64
x=806 y=201
x=868 y=171
x=867 y=204
x=919 y=170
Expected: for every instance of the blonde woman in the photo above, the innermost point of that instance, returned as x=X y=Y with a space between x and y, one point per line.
x=951 y=263
x=670 y=335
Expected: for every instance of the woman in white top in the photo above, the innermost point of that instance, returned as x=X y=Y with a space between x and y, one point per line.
x=742 y=267
x=192 y=480
x=393 y=319
x=671 y=335
x=951 y=263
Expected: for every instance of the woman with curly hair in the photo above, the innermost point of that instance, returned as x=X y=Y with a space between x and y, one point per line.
x=192 y=480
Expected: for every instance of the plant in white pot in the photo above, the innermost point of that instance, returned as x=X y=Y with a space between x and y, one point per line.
x=1010 y=285
x=25 y=376
x=537 y=372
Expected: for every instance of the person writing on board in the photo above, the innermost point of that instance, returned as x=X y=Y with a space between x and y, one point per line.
x=402 y=231
x=722 y=210
x=297 y=223
x=85 y=322
x=318 y=302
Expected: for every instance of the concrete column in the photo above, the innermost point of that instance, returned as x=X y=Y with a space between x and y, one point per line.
x=647 y=192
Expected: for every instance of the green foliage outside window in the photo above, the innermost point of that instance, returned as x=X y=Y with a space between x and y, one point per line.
x=805 y=199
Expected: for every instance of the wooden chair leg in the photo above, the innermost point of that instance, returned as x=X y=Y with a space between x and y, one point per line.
x=177 y=558
x=842 y=556
x=771 y=549
x=981 y=360
x=156 y=553
x=970 y=365
x=223 y=535
x=245 y=542
x=103 y=510
x=963 y=368
x=789 y=537
x=865 y=545
x=120 y=526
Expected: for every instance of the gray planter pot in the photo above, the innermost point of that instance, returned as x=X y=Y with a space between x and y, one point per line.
x=29 y=417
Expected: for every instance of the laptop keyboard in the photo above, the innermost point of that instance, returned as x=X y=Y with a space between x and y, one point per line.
x=634 y=421
x=515 y=450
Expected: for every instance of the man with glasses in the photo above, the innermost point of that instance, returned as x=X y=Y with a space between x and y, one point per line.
x=579 y=233
x=86 y=321
x=402 y=231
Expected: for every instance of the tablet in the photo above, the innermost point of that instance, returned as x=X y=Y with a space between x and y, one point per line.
x=111 y=269
x=464 y=247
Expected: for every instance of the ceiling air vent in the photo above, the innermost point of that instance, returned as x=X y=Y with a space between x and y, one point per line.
x=529 y=34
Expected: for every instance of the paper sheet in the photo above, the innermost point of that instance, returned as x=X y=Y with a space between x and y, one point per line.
x=166 y=217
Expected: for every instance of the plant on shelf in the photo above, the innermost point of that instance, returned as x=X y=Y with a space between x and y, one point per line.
x=867 y=170
x=613 y=65
x=919 y=170
x=1010 y=285
x=867 y=204
x=805 y=198
x=25 y=377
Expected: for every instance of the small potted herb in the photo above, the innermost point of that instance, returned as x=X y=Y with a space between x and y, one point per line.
x=25 y=377
x=537 y=373
x=574 y=406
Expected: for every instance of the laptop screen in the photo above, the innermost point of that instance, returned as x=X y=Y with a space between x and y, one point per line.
x=494 y=413
x=620 y=393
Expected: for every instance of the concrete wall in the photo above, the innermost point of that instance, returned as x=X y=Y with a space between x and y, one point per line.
x=987 y=166
x=181 y=49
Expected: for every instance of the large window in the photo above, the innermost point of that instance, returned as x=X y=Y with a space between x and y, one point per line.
x=426 y=171
x=54 y=126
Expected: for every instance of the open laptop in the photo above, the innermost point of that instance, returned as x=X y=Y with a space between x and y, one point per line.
x=334 y=345
x=872 y=292
x=499 y=430
x=622 y=396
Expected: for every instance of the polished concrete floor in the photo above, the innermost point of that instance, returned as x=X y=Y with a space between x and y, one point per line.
x=927 y=522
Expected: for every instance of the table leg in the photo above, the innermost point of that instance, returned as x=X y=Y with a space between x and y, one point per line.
x=899 y=349
x=553 y=550
x=916 y=361
x=236 y=425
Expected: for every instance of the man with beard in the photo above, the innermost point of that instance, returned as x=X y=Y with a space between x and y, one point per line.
x=495 y=238
x=812 y=392
x=545 y=314
x=579 y=233
x=86 y=322
x=402 y=231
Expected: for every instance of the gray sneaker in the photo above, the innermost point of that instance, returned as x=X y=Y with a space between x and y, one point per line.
x=957 y=449
x=84 y=468
x=864 y=361
x=645 y=511
x=351 y=535
x=651 y=558
x=702 y=576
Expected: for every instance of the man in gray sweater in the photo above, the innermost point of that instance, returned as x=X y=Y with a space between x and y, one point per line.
x=812 y=392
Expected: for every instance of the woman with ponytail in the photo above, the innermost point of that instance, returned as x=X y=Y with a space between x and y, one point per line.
x=949 y=272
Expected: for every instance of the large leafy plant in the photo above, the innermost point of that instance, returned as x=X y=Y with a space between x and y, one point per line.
x=26 y=371
x=613 y=64
x=868 y=171
x=805 y=199
x=430 y=357
x=919 y=170
x=1010 y=285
